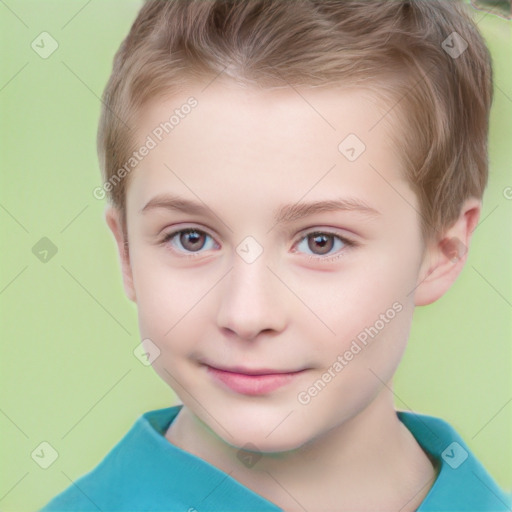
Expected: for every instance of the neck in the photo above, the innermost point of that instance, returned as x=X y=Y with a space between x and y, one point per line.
x=370 y=462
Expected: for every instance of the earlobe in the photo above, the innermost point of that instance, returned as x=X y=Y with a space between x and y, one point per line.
x=113 y=220
x=446 y=256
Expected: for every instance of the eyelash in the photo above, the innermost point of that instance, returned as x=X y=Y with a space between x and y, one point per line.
x=323 y=259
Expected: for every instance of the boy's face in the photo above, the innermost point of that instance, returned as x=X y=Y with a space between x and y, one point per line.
x=245 y=291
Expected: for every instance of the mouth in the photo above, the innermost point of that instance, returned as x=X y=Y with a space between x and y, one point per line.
x=257 y=381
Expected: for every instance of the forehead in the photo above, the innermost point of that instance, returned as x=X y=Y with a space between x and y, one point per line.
x=255 y=115
x=263 y=143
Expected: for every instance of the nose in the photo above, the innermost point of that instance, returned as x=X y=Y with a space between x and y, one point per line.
x=252 y=300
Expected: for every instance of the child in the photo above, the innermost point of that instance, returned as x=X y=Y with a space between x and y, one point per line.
x=327 y=160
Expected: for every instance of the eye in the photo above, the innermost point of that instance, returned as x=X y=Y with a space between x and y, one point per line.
x=322 y=243
x=189 y=241
x=324 y=246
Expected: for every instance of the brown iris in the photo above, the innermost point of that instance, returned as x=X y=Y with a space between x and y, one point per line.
x=322 y=241
x=192 y=240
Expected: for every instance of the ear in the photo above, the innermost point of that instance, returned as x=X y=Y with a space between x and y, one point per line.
x=446 y=255
x=114 y=222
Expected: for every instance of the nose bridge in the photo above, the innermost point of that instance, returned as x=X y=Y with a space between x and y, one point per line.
x=250 y=298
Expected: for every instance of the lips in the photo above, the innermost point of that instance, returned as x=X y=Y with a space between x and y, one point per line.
x=252 y=382
x=246 y=371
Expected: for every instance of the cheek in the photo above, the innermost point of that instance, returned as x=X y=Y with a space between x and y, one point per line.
x=357 y=364
x=369 y=308
x=366 y=293
x=171 y=302
x=160 y=295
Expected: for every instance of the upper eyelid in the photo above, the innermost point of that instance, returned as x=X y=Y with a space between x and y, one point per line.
x=172 y=233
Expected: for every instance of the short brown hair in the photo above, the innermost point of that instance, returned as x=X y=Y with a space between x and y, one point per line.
x=400 y=48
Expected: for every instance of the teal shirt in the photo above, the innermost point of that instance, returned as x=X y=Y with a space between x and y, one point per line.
x=146 y=472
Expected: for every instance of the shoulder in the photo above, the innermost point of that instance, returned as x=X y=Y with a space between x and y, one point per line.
x=118 y=481
x=462 y=484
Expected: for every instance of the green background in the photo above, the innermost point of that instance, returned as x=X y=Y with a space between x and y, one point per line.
x=68 y=373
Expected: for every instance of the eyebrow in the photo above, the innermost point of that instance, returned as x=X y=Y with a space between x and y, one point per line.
x=284 y=214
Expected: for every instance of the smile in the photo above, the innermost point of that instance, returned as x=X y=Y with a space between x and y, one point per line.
x=252 y=382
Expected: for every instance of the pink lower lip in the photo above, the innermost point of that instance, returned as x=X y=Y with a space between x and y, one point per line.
x=252 y=384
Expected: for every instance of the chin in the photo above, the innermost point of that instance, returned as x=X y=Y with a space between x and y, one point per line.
x=260 y=444
x=261 y=436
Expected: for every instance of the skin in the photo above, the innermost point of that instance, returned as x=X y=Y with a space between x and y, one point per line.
x=244 y=153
